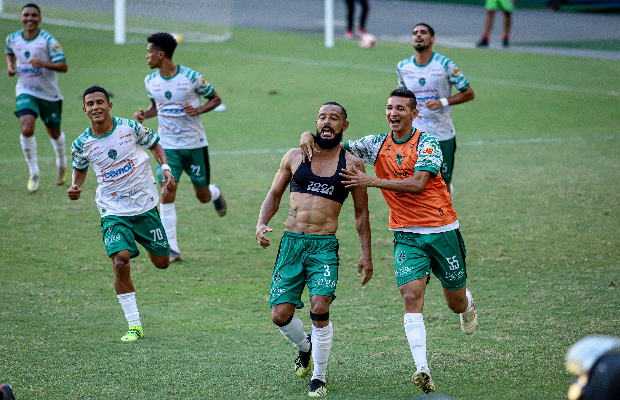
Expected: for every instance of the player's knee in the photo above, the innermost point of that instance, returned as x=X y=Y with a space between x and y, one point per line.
x=412 y=297
x=162 y=262
x=204 y=197
x=121 y=265
x=280 y=318
x=27 y=129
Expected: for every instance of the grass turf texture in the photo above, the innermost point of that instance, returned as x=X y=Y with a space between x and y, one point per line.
x=536 y=193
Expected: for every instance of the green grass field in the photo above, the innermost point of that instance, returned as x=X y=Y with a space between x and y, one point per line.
x=537 y=181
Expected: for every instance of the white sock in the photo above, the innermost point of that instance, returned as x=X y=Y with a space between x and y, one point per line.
x=59 y=148
x=128 y=302
x=29 y=147
x=169 y=221
x=294 y=332
x=215 y=192
x=416 y=336
x=321 y=346
x=470 y=299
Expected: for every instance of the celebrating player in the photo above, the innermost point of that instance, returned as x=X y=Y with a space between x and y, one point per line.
x=308 y=253
x=426 y=236
x=126 y=193
x=175 y=93
x=430 y=76
x=36 y=56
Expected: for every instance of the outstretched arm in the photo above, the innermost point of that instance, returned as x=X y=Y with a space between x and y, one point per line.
x=354 y=177
x=272 y=201
x=362 y=225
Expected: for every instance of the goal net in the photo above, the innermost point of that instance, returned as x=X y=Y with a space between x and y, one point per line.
x=197 y=21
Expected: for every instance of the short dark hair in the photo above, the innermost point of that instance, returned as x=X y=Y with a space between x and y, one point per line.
x=164 y=41
x=342 y=110
x=33 y=6
x=427 y=26
x=95 y=89
x=406 y=93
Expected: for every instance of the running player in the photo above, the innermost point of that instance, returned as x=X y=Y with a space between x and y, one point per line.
x=425 y=225
x=35 y=57
x=126 y=193
x=431 y=76
x=175 y=92
x=308 y=253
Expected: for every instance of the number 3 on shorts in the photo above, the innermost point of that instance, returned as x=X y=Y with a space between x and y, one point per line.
x=326 y=273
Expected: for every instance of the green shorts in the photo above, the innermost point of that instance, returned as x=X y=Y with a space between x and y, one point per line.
x=417 y=255
x=121 y=233
x=304 y=260
x=50 y=111
x=448 y=148
x=504 y=5
x=195 y=163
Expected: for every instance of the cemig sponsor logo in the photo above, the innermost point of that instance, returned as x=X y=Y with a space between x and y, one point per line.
x=172 y=110
x=118 y=171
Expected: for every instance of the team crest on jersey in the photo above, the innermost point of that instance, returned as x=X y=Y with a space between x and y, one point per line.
x=277 y=278
x=422 y=81
x=456 y=71
x=27 y=54
x=112 y=154
x=168 y=95
x=399 y=159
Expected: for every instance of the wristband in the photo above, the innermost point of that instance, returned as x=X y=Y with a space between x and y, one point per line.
x=165 y=167
x=444 y=101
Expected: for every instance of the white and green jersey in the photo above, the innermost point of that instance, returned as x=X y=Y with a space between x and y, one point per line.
x=38 y=82
x=432 y=81
x=126 y=185
x=178 y=130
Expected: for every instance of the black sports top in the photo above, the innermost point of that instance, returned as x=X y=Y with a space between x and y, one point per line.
x=305 y=181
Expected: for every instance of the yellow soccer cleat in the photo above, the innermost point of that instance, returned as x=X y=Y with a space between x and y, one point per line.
x=135 y=332
x=33 y=183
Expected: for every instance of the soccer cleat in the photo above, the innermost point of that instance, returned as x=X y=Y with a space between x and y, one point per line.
x=6 y=392
x=348 y=34
x=317 y=388
x=469 y=320
x=505 y=42
x=422 y=379
x=362 y=31
x=62 y=175
x=303 y=362
x=174 y=256
x=33 y=183
x=135 y=332
x=220 y=205
x=483 y=43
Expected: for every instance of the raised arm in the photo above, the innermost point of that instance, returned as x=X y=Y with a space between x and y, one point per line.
x=271 y=204
x=362 y=225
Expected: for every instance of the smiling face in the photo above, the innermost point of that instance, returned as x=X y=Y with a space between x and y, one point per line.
x=400 y=115
x=97 y=107
x=329 y=126
x=422 y=38
x=30 y=19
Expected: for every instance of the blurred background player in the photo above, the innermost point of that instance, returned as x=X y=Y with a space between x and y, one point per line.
x=126 y=193
x=351 y=15
x=308 y=253
x=430 y=76
x=507 y=7
x=180 y=128
x=36 y=56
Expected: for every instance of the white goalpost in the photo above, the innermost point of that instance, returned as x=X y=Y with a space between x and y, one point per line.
x=329 y=23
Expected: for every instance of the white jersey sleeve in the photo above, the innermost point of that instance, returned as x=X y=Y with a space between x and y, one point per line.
x=367 y=148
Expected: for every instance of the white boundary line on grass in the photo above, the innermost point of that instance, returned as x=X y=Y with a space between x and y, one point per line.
x=470 y=143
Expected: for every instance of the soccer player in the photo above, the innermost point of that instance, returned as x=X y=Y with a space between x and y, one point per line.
x=35 y=57
x=430 y=76
x=175 y=93
x=426 y=236
x=308 y=253
x=507 y=7
x=126 y=193
x=348 y=34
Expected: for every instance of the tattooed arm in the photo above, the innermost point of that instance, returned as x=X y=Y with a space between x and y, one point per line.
x=362 y=221
x=272 y=201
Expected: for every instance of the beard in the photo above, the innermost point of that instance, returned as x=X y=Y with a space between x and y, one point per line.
x=420 y=46
x=328 y=144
